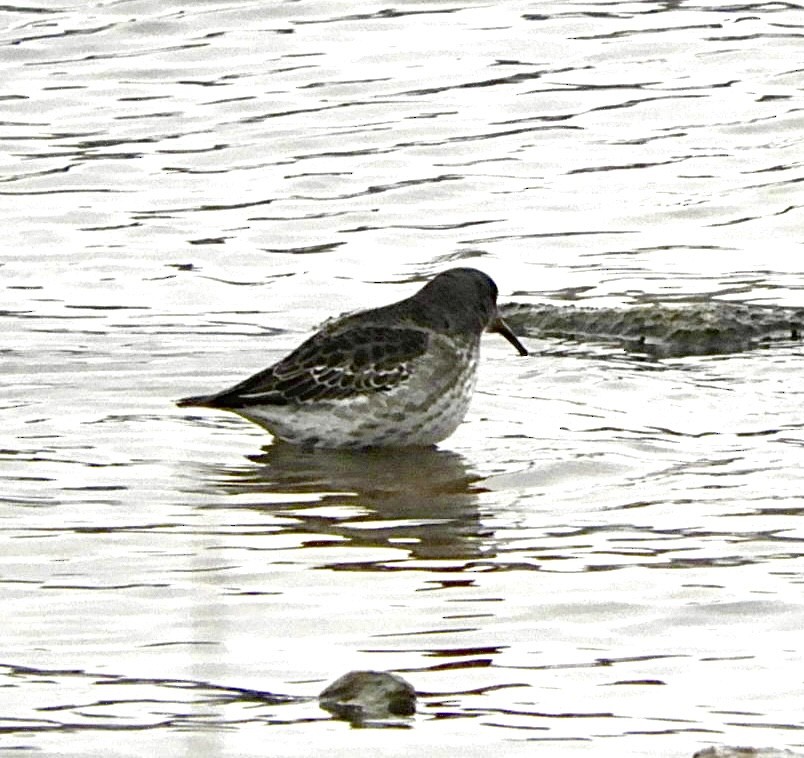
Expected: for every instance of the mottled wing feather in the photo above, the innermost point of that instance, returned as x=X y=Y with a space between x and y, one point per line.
x=333 y=366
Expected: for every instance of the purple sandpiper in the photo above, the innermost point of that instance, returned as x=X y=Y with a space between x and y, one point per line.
x=397 y=376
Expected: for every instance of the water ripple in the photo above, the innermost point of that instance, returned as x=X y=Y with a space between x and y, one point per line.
x=187 y=191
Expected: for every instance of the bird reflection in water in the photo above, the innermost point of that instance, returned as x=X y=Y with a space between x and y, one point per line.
x=423 y=500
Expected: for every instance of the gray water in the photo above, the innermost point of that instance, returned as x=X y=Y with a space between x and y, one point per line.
x=605 y=559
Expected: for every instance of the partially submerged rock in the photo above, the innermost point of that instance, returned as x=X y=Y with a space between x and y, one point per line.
x=709 y=328
x=744 y=752
x=368 y=695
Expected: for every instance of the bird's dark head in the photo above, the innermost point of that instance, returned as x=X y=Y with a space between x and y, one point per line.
x=462 y=300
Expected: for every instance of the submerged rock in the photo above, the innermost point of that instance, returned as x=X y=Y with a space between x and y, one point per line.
x=368 y=695
x=662 y=330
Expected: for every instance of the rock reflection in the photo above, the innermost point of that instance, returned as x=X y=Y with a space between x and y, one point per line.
x=422 y=500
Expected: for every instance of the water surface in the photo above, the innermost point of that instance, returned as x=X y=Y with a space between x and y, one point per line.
x=606 y=556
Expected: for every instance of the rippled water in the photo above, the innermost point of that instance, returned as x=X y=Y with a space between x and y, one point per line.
x=606 y=557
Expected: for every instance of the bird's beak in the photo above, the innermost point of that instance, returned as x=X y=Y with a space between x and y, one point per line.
x=499 y=326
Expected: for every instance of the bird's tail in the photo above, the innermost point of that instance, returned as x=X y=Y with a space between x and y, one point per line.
x=198 y=401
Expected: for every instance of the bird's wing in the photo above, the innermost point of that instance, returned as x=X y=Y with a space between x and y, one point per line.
x=332 y=366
